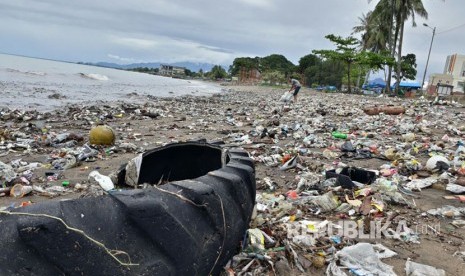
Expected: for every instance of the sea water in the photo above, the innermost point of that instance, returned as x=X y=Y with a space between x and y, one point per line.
x=31 y=83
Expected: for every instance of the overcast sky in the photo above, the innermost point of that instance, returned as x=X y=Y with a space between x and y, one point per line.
x=212 y=31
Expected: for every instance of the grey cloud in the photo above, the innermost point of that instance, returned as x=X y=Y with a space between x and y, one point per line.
x=222 y=28
x=215 y=49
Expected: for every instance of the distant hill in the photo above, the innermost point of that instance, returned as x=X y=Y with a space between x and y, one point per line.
x=194 y=67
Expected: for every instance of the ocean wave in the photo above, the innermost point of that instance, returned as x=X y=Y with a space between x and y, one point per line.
x=94 y=76
x=35 y=73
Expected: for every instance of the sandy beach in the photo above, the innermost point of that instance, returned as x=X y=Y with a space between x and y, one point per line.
x=253 y=118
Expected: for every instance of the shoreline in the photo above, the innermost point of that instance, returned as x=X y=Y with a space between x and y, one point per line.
x=238 y=117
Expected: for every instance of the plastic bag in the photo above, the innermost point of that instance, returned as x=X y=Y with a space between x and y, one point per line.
x=361 y=259
x=416 y=269
x=455 y=189
x=286 y=97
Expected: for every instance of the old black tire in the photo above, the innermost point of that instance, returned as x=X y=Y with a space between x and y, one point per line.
x=191 y=225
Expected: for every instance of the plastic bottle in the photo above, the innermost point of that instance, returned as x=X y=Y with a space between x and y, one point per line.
x=19 y=190
x=339 y=135
x=103 y=180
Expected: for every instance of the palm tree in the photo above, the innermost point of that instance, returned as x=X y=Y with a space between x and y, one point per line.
x=384 y=13
x=376 y=33
x=404 y=10
x=363 y=28
x=399 y=11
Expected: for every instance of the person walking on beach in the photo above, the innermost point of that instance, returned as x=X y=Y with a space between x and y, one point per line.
x=295 y=85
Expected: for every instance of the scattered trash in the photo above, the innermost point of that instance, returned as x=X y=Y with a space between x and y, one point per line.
x=437 y=163
x=104 y=181
x=256 y=239
x=454 y=188
x=339 y=135
x=416 y=269
x=6 y=172
x=86 y=153
x=318 y=162
x=292 y=194
x=419 y=184
x=19 y=190
x=348 y=177
x=326 y=202
x=362 y=259
x=348 y=147
x=447 y=211
x=291 y=163
x=409 y=137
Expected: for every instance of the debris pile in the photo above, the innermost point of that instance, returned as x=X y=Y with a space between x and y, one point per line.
x=341 y=188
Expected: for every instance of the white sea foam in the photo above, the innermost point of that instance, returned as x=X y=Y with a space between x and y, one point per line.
x=28 y=83
x=26 y=72
x=94 y=76
x=36 y=73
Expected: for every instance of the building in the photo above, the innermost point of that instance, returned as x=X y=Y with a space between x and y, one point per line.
x=455 y=66
x=438 y=79
x=172 y=71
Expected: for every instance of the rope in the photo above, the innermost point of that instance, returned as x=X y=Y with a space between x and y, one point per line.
x=180 y=196
x=224 y=235
x=111 y=252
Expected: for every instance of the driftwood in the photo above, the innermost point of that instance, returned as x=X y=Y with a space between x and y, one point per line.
x=390 y=110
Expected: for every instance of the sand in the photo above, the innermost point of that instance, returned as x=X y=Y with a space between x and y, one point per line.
x=190 y=118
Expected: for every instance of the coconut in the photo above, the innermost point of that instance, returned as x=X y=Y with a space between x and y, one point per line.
x=102 y=135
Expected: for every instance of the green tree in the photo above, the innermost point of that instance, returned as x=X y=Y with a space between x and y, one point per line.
x=335 y=78
x=345 y=52
x=274 y=77
x=313 y=75
x=189 y=73
x=375 y=61
x=308 y=61
x=246 y=63
x=310 y=69
x=145 y=70
x=408 y=68
x=276 y=63
x=217 y=72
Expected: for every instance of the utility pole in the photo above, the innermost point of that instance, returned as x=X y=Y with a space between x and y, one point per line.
x=427 y=60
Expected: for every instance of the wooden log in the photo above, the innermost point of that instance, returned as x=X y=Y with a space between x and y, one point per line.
x=390 y=110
